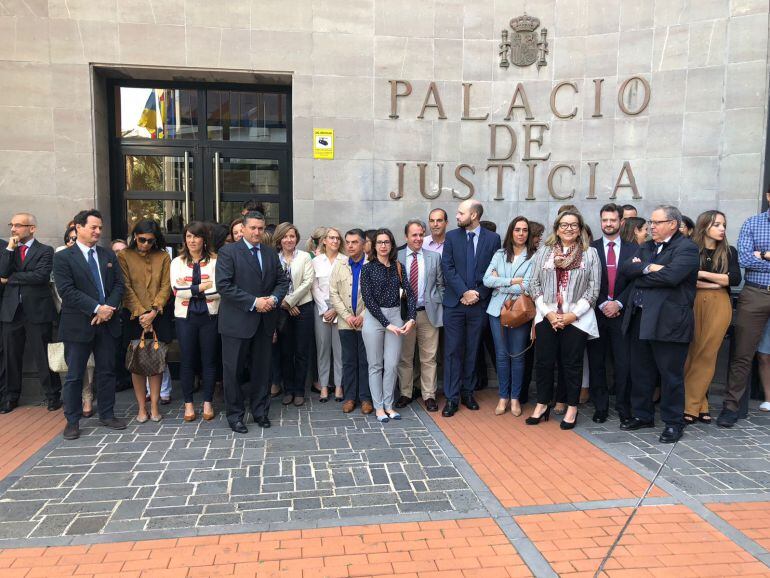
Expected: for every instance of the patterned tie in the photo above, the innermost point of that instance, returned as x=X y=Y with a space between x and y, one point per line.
x=612 y=269
x=23 y=251
x=255 y=252
x=95 y=274
x=414 y=275
x=470 y=262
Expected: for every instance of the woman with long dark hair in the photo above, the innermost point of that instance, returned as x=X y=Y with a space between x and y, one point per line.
x=633 y=230
x=564 y=284
x=146 y=273
x=719 y=270
x=508 y=275
x=196 y=306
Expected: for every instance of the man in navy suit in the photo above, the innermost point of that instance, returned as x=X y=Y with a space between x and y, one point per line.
x=613 y=297
x=467 y=253
x=252 y=283
x=90 y=284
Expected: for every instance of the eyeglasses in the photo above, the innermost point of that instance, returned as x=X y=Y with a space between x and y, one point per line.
x=17 y=225
x=565 y=226
x=73 y=238
x=658 y=223
x=333 y=238
x=383 y=242
x=145 y=240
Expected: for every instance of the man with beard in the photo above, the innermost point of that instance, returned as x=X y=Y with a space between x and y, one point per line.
x=465 y=258
x=613 y=295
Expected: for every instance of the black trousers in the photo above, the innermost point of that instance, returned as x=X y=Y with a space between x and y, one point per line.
x=567 y=345
x=197 y=334
x=294 y=345
x=649 y=360
x=529 y=364
x=611 y=339
x=37 y=337
x=76 y=355
x=355 y=368
x=252 y=356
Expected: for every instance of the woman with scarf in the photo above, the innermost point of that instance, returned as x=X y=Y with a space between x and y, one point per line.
x=565 y=278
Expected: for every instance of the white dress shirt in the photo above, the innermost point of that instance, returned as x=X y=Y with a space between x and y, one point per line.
x=420 y=274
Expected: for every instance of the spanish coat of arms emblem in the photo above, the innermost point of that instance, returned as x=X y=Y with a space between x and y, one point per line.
x=525 y=46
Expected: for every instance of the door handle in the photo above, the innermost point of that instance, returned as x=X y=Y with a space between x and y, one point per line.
x=217 y=187
x=186 y=187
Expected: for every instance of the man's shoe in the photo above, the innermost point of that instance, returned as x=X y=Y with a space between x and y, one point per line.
x=238 y=427
x=671 y=434
x=348 y=406
x=470 y=402
x=431 y=405
x=366 y=407
x=403 y=401
x=635 y=423
x=263 y=421
x=54 y=404
x=71 y=431
x=450 y=408
x=113 y=423
x=599 y=417
x=727 y=418
x=8 y=406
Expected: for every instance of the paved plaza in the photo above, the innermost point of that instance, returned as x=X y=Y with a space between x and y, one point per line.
x=322 y=493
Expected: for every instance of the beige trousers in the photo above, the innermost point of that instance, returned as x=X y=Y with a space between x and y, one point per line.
x=426 y=337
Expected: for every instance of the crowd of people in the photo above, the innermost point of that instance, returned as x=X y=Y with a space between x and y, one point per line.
x=358 y=318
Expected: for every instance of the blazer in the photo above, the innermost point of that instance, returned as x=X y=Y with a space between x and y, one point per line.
x=239 y=284
x=29 y=282
x=341 y=293
x=80 y=295
x=454 y=269
x=501 y=285
x=3 y=245
x=667 y=295
x=622 y=283
x=433 y=293
x=180 y=269
x=302 y=276
x=147 y=279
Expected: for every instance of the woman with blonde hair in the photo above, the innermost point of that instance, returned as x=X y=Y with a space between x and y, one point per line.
x=327 y=337
x=314 y=242
x=719 y=270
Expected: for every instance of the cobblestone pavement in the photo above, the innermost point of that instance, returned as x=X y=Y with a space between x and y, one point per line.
x=315 y=463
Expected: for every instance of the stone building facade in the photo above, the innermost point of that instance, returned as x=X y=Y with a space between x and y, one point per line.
x=698 y=142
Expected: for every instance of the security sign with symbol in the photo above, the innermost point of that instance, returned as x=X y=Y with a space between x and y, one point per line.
x=323 y=143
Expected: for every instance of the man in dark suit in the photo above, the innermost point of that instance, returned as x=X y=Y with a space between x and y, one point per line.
x=27 y=311
x=90 y=284
x=3 y=245
x=659 y=322
x=467 y=253
x=251 y=282
x=613 y=297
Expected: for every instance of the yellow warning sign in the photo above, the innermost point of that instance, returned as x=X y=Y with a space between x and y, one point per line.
x=323 y=143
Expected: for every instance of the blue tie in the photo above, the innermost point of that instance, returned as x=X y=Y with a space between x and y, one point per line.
x=255 y=252
x=470 y=262
x=95 y=274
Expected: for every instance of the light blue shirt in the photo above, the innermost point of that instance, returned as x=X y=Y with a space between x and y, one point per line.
x=501 y=285
x=259 y=251
x=477 y=232
x=85 y=249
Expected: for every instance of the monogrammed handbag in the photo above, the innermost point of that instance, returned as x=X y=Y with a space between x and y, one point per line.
x=146 y=357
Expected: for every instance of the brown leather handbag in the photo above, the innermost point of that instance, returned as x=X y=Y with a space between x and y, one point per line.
x=145 y=357
x=517 y=311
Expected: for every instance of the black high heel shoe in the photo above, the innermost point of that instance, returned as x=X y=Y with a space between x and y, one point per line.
x=568 y=424
x=543 y=417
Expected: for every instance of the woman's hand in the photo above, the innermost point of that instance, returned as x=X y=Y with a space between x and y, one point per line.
x=494 y=273
x=394 y=330
x=294 y=311
x=554 y=320
x=181 y=281
x=205 y=286
x=517 y=281
x=568 y=319
x=408 y=326
x=330 y=315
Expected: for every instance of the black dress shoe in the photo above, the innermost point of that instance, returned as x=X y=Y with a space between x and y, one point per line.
x=238 y=427
x=470 y=402
x=403 y=401
x=8 y=406
x=671 y=433
x=450 y=408
x=431 y=405
x=635 y=423
x=54 y=404
x=71 y=431
x=263 y=421
x=727 y=418
x=599 y=416
x=113 y=423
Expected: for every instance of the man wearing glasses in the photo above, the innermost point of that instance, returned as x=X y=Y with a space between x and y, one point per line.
x=660 y=322
x=27 y=311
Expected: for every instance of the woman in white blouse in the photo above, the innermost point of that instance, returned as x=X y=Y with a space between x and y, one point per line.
x=327 y=337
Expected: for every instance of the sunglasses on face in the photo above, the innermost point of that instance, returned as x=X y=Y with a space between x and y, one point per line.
x=145 y=240
x=72 y=239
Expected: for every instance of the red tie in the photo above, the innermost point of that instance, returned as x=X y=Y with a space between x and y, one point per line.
x=23 y=250
x=612 y=269
x=414 y=275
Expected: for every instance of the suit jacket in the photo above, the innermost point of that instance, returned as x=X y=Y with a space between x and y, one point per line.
x=3 y=245
x=667 y=295
x=80 y=295
x=622 y=283
x=239 y=284
x=29 y=282
x=454 y=269
x=433 y=293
